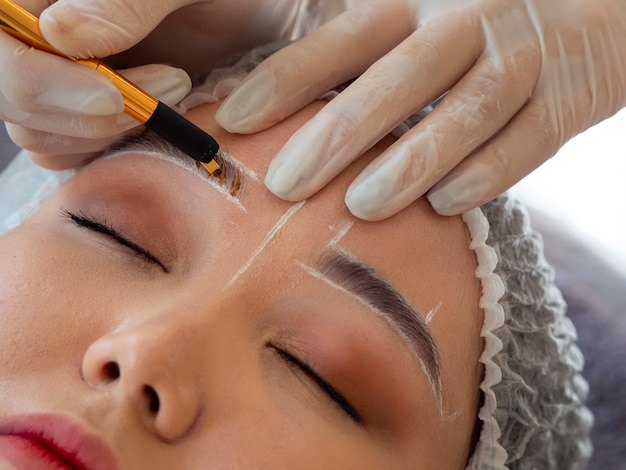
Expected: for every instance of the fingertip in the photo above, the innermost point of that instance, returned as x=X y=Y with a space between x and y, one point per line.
x=367 y=217
x=59 y=24
x=304 y=165
x=90 y=29
x=246 y=109
x=281 y=185
x=167 y=84
x=382 y=189
x=372 y=200
x=223 y=117
x=361 y=203
x=460 y=191
x=445 y=205
x=62 y=162
x=58 y=151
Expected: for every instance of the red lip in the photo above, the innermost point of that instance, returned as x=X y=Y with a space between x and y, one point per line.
x=47 y=441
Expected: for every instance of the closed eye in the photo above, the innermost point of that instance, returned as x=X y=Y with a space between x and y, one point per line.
x=328 y=389
x=94 y=225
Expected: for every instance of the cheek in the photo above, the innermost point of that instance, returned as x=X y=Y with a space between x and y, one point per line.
x=26 y=270
x=38 y=302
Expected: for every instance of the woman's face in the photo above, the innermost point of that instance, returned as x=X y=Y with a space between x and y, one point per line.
x=189 y=328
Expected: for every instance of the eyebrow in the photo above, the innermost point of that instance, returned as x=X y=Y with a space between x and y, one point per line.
x=231 y=177
x=365 y=283
x=348 y=272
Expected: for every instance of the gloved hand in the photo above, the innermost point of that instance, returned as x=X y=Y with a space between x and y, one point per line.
x=522 y=77
x=65 y=113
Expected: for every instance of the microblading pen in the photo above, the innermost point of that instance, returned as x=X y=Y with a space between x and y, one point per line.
x=153 y=114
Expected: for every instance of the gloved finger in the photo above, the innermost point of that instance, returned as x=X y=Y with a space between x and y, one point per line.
x=58 y=152
x=91 y=127
x=477 y=107
x=526 y=143
x=406 y=79
x=54 y=135
x=170 y=87
x=78 y=152
x=533 y=136
x=581 y=83
x=303 y=71
x=36 y=81
x=63 y=162
x=94 y=28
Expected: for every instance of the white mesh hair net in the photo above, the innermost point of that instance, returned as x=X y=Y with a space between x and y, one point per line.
x=533 y=414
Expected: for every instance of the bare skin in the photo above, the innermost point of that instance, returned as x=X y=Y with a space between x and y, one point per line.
x=189 y=354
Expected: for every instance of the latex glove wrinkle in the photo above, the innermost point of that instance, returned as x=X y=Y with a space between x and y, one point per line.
x=521 y=78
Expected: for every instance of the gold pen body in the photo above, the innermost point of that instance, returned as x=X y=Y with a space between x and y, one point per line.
x=137 y=103
x=24 y=26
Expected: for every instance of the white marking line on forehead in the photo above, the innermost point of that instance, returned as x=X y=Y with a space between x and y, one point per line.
x=283 y=220
x=341 y=230
x=191 y=168
x=320 y=276
x=430 y=315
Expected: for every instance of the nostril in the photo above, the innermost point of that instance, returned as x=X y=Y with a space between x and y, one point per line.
x=111 y=371
x=153 y=398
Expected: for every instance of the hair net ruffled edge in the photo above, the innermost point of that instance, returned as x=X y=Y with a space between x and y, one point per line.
x=534 y=413
x=512 y=436
x=488 y=445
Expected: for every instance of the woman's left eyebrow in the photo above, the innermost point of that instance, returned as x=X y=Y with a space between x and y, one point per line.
x=231 y=177
x=362 y=281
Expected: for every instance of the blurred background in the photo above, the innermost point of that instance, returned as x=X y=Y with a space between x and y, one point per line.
x=7 y=149
x=584 y=187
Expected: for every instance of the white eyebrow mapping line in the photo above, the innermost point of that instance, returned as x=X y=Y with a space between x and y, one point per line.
x=243 y=168
x=433 y=311
x=334 y=243
x=279 y=225
x=188 y=166
x=341 y=230
x=320 y=276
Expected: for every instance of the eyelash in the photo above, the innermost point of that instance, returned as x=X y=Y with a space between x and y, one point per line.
x=85 y=221
x=328 y=389
x=94 y=225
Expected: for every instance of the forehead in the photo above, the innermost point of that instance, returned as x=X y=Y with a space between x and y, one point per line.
x=424 y=256
x=260 y=244
x=415 y=244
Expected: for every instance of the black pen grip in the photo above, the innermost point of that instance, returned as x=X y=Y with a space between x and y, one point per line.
x=182 y=133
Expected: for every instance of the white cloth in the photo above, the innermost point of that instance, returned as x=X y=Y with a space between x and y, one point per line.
x=23 y=187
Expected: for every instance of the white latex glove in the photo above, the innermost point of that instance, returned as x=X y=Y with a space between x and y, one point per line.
x=65 y=113
x=522 y=76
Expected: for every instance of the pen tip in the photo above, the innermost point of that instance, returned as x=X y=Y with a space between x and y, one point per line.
x=184 y=135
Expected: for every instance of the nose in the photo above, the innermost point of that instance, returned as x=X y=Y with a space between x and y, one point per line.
x=147 y=367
